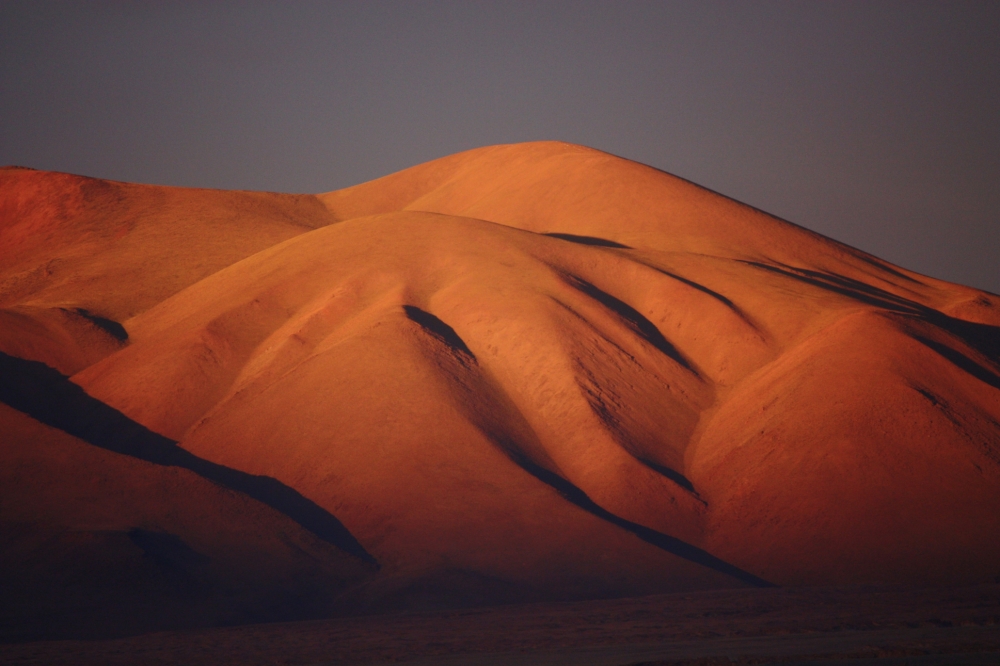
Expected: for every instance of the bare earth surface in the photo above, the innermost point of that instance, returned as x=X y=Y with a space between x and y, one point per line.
x=800 y=626
x=531 y=373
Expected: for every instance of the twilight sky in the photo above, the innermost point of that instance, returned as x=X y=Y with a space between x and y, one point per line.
x=876 y=123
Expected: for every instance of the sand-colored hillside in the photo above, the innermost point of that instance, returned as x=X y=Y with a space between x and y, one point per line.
x=71 y=245
x=523 y=372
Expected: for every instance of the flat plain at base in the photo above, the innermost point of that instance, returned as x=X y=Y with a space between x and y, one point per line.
x=788 y=626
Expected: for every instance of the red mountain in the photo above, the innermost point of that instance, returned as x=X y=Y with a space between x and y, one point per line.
x=523 y=372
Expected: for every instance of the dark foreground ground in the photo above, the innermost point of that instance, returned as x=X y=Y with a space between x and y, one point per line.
x=788 y=626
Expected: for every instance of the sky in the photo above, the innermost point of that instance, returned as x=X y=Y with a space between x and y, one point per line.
x=875 y=123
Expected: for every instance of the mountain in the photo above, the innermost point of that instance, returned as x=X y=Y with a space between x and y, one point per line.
x=523 y=372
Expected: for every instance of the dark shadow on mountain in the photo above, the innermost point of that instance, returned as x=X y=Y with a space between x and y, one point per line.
x=981 y=337
x=849 y=287
x=959 y=359
x=932 y=398
x=168 y=550
x=109 y=326
x=887 y=267
x=700 y=287
x=588 y=240
x=665 y=542
x=703 y=289
x=671 y=474
x=611 y=422
x=438 y=329
x=49 y=397
x=632 y=318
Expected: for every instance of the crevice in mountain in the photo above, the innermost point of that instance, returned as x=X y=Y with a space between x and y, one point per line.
x=50 y=397
x=737 y=310
x=671 y=474
x=504 y=417
x=849 y=287
x=587 y=240
x=109 y=326
x=884 y=266
x=168 y=551
x=438 y=329
x=495 y=430
x=988 y=446
x=962 y=361
x=597 y=401
x=981 y=337
x=631 y=317
x=670 y=544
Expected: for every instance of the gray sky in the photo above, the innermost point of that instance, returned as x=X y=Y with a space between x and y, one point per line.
x=876 y=123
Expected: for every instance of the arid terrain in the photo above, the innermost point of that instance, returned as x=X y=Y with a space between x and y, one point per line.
x=789 y=626
x=532 y=374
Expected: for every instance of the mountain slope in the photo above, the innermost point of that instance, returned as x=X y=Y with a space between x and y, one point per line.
x=543 y=372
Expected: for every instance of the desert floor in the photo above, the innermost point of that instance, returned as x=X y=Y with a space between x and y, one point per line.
x=787 y=626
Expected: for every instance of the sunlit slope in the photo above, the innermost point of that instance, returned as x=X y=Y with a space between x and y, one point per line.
x=553 y=187
x=111 y=250
x=543 y=372
x=436 y=454
x=629 y=356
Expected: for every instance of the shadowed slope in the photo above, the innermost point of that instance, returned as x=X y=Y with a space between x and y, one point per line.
x=96 y=544
x=665 y=541
x=437 y=328
x=61 y=338
x=49 y=397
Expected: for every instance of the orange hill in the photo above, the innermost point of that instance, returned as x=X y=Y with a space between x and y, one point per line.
x=534 y=371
